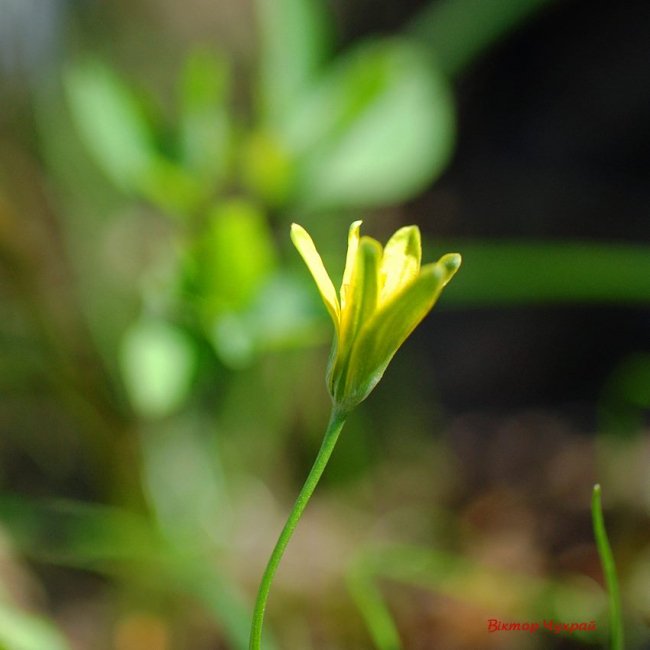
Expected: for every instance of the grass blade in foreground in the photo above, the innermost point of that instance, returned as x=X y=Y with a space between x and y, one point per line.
x=609 y=569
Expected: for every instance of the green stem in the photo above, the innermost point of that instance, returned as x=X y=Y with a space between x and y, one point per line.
x=337 y=420
x=609 y=569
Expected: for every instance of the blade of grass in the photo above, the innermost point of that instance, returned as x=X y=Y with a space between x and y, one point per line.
x=609 y=569
x=512 y=594
x=373 y=609
x=526 y=272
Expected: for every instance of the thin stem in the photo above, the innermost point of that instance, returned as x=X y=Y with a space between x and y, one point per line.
x=337 y=420
x=609 y=569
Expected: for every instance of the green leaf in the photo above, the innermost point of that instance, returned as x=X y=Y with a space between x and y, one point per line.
x=111 y=123
x=294 y=38
x=376 y=129
x=205 y=129
x=158 y=362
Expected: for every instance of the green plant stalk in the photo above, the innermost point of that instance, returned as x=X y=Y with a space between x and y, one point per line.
x=337 y=420
x=609 y=569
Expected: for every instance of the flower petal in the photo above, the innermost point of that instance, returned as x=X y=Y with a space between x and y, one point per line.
x=391 y=325
x=401 y=262
x=363 y=288
x=350 y=260
x=363 y=294
x=305 y=245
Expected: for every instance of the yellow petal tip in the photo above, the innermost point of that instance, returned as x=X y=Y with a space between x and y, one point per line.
x=305 y=246
x=451 y=262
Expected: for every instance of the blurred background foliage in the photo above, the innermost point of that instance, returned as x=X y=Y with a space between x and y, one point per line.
x=162 y=350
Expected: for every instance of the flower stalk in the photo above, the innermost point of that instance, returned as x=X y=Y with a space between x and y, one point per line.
x=384 y=295
x=337 y=420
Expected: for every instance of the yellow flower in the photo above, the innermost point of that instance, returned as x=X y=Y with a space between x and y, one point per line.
x=384 y=295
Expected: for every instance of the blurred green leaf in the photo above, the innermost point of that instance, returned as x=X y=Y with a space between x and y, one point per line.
x=172 y=188
x=267 y=168
x=455 y=32
x=158 y=362
x=527 y=272
x=282 y=315
x=113 y=541
x=22 y=631
x=72 y=533
x=293 y=40
x=181 y=467
x=115 y=130
x=375 y=129
x=233 y=257
x=111 y=123
x=204 y=123
x=625 y=398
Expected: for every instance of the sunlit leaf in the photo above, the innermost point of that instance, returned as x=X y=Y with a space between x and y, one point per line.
x=378 y=127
